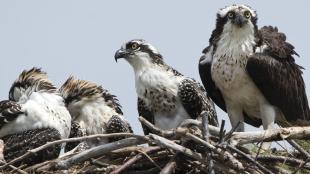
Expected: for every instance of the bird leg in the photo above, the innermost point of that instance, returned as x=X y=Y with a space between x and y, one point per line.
x=268 y=115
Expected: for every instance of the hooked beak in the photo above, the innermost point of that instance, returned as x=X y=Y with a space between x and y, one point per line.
x=120 y=54
x=240 y=20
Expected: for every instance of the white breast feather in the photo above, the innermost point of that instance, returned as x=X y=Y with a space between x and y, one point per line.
x=229 y=69
x=43 y=110
x=92 y=115
x=157 y=77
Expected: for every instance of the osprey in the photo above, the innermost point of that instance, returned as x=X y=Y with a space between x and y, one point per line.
x=165 y=96
x=93 y=108
x=34 y=114
x=251 y=73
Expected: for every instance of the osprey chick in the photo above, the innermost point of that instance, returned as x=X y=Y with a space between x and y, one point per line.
x=33 y=115
x=252 y=73
x=93 y=108
x=165 y=96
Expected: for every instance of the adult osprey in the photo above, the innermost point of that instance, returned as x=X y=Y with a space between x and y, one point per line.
x=252 y=73
x=33 y=115
x=94 y=109
x=165 y=97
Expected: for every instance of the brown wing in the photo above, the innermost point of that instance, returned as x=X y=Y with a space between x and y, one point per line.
x=9 y=111
x=278 y=77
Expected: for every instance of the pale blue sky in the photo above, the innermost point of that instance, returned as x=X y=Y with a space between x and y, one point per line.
x=80 y=38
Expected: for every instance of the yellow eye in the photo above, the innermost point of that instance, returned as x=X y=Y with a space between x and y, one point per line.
x=134 y=46
x=231 y=15
x=247 y=14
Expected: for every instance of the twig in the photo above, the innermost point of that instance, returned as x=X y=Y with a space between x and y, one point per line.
x=156 y=130
x=170 y=133
x=169 y=168
x=230 y=133
x=134 y=159
x=99 y=150
x=225 y=156
x=205 y=134
x=18 y=170
x=222 y=132
x=299 y=148
x=264 y=169
x=171 y=145
x=274 y=158
x=150 y=159
x=301 y=166
x=48 y=144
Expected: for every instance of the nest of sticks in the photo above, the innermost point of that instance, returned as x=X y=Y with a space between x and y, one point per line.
x=183 y=150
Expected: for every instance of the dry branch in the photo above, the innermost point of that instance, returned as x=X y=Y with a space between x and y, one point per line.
x=271 y=135
x=97 y=151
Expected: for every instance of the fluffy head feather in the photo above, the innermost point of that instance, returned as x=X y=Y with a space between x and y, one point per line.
x=33 y=80
x=74 y=90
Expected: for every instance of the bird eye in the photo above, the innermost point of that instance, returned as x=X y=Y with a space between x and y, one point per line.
x=231 y=15
x=247 y=14
x=134 y=46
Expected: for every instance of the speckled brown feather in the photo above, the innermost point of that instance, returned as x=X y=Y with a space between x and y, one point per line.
x=9 y=111
x=18 y=144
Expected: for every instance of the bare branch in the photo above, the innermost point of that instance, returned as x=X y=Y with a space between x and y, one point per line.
x=271 y=135
x=99 y=150
x=48 y=144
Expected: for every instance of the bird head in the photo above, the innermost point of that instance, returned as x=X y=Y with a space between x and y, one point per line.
x=29 y=81
x=238 y=15
x=75 y=90
x=139 y=53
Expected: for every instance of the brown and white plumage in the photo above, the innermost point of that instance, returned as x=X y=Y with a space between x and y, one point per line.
x=165 y=96
x=93 y=107
x=251 y=73
x=34 y=115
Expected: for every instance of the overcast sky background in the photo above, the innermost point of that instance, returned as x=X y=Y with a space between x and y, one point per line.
x=80 y=38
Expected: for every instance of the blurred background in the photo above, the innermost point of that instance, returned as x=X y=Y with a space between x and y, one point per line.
x=79 y=37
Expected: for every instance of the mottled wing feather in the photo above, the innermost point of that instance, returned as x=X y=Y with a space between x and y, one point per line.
x=18 y=144
x=117 y=124
x=9 y=111
x=112 y=101
x=278 y=77
x=194 y=100
x=75 y=131
x=146 y=113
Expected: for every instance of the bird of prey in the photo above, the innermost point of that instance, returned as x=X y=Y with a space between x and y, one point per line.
x=33 y=115
x=93 y=108
x=165 y=96
x=251 y=73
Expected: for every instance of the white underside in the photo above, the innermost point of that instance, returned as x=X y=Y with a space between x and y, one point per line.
x=171 y=120
x=92 y=114
x=230 y=76
x=150 y=76
x=43 y=110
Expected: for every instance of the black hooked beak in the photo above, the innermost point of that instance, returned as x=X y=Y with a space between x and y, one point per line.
x=120 y=54
x=240 y=20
